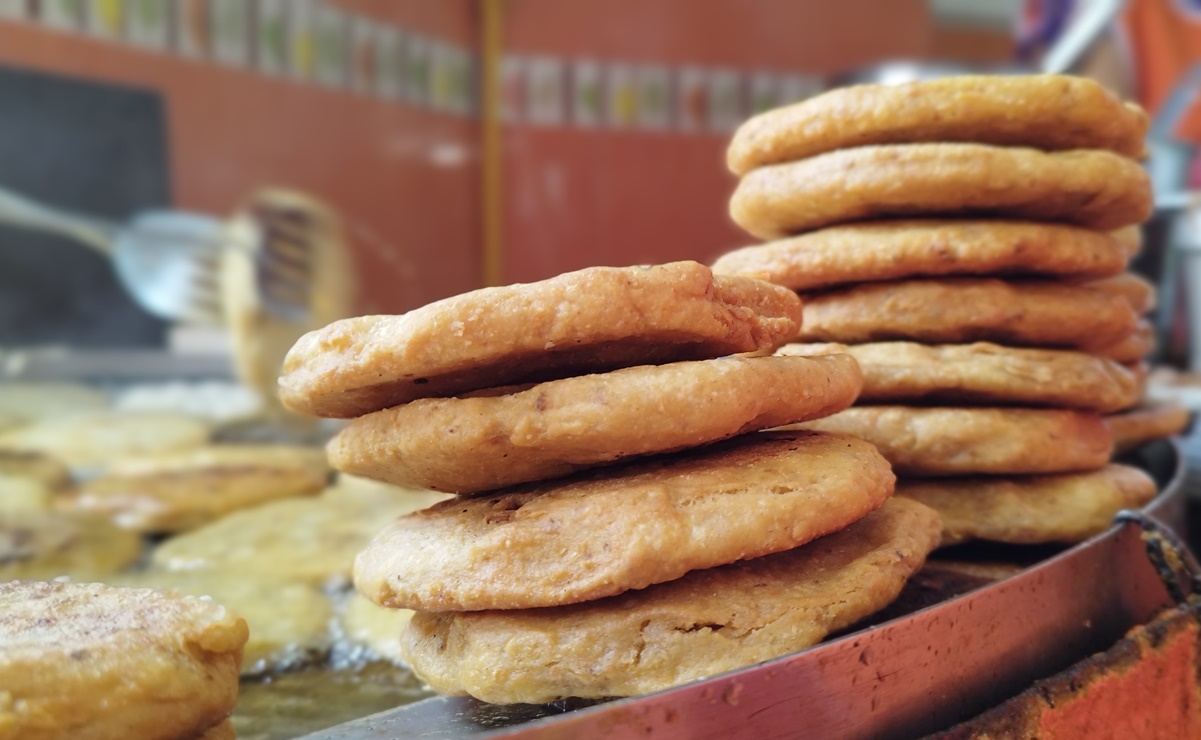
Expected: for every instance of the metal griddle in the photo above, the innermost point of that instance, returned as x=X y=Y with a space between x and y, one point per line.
x=906 y=677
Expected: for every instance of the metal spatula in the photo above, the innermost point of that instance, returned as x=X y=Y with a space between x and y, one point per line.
x=169 y=261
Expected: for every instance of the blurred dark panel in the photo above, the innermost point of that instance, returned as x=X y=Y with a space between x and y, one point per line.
x=93 y=148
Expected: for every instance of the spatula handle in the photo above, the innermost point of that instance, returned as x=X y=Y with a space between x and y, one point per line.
x=17 y=210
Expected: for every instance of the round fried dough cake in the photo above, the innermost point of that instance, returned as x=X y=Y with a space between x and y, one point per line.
x=892 y=250
x=288 y=620
x=1130 y=348
x=30 y=480
x=35 y=466
x=624 y=527
x=593 y=320
x=175 y=493
x=961 y=441
x=1039 y=313
x=1031 y=509
x=708 y=622
x=95 y=439
x=465 y=445
x=1090 y=188
x=311 y=539
x=89 y=661
x=984 y=373
x=49 y=544
x=1140 y=425
x=225 y=457
x=18 y=493
x=1041 y=111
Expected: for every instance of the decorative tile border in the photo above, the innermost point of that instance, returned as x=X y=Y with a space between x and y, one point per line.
x=148 y=24
x=587 y=93
x=315 y=42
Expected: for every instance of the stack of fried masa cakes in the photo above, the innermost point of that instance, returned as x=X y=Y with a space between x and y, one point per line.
x=621 y=523
x=965 y=239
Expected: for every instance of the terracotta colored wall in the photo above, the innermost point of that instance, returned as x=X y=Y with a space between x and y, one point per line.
x=403 y=178
x=979 y=45
x=581 y=197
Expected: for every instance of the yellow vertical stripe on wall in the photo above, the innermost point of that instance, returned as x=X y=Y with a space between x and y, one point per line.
x=490 y=175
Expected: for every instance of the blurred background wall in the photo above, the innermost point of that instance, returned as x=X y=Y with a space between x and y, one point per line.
x=614 y=114
x=650 y=183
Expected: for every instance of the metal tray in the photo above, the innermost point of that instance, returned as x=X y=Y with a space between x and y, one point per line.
x=905 y=677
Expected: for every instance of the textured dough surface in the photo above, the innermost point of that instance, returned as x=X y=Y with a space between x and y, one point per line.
x=962 y=441
x=1040 y=313
x=89 y=661
x=1091 y=188
x=465 y=445
x=708 y=622
x=624 y=527
x=1031 y=509
x=593 y=320
x=1041 y=111
x=892 y=250
x=984 y=373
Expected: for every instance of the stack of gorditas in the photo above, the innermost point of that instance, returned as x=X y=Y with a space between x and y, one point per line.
x=621 y=523
x=966 y=240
